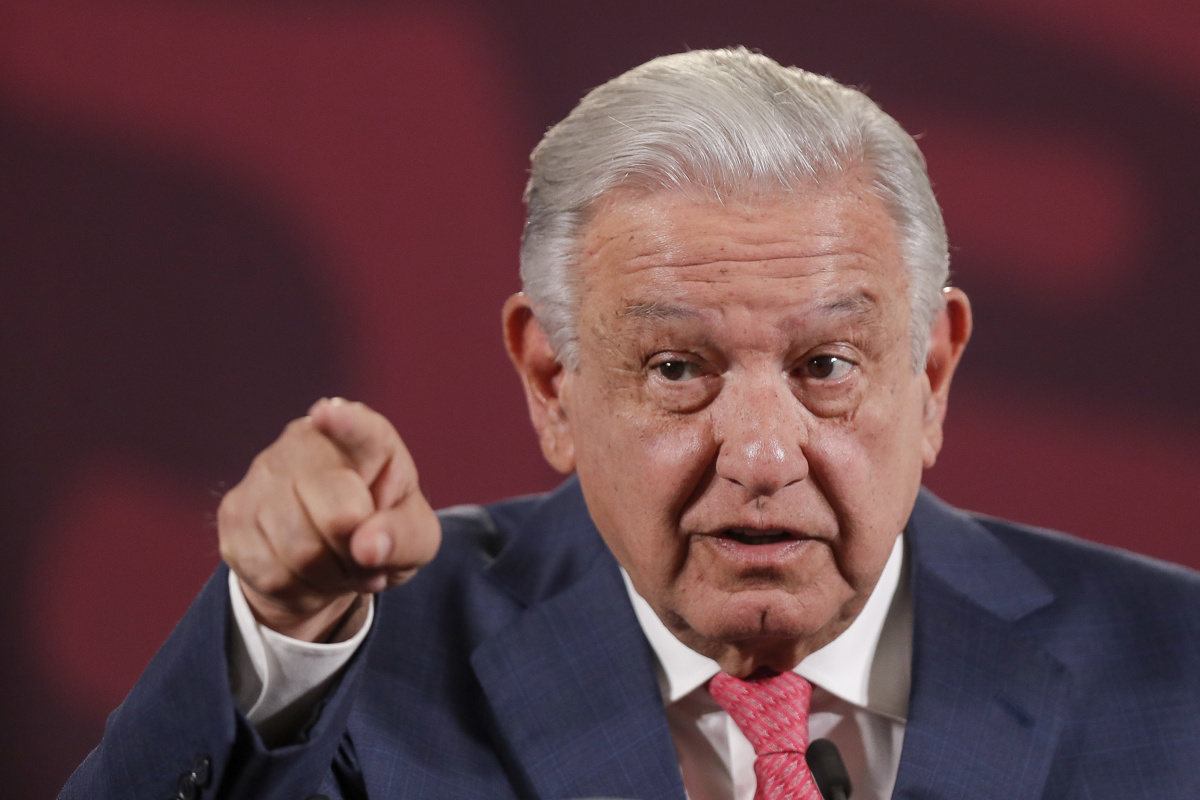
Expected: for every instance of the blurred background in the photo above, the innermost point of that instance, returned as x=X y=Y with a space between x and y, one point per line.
x=213 y=213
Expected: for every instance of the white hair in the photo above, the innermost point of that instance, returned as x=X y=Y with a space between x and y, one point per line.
x=720 y=122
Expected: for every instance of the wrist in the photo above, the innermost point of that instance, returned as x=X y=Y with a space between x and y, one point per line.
x=336 y=621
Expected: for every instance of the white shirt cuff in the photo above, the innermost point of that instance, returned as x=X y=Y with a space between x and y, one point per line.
x=277 y=680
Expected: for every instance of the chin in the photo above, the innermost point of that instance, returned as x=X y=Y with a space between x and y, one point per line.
x=765 y=624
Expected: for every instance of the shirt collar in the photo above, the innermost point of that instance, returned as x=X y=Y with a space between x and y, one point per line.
x=868 y=666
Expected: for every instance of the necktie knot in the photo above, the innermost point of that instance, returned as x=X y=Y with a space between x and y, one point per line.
x=772 y=713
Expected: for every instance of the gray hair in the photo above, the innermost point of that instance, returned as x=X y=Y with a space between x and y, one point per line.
x=721 y=122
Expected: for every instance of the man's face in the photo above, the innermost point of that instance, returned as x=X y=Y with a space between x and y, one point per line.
x=746 y=422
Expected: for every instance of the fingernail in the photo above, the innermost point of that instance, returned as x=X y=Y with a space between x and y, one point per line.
x=383 y=548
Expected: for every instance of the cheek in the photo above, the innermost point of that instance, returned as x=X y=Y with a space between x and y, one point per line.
x=635 y=448
x=638 y=471
x=870 y=470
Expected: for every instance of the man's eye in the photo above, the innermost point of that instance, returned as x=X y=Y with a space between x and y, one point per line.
x=828 y=367
x=678 y=370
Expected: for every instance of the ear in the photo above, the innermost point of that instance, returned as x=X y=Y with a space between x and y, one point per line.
x=542 y=376
x=949 y=337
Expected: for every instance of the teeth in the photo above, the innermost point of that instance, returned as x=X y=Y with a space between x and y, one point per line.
x=757 y=537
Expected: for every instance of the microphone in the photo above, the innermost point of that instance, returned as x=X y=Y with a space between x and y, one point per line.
x=825 y=763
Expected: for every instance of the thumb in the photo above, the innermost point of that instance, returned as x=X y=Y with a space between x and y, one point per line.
x=396 y=541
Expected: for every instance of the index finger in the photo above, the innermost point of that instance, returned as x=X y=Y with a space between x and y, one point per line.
x=371 y=446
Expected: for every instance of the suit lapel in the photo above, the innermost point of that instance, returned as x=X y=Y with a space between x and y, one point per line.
x=572 y=687
x=987 y=701
x=571 y=683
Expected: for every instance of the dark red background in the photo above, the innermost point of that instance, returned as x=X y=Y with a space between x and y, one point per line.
x=212 y=213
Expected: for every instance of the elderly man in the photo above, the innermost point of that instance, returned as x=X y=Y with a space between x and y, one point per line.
x=735 y=332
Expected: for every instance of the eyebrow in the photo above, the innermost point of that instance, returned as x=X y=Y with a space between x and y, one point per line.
x=861 y=304
x=858 y=305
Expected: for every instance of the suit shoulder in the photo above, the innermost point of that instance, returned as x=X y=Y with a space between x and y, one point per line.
x=1090 y=603
x=1072 y=564
x=484 y=531
x=1113 y=612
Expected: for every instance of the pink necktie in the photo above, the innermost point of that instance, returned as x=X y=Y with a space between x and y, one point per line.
x=772 y=712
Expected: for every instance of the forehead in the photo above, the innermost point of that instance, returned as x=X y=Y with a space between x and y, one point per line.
x=665 y=254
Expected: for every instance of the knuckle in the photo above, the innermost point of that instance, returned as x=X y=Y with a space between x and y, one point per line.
x=298 y=426
x=231 y=511
x=357 y=506
x=338 y=500
x=226 y=551
x=227 y=509
x=262 y=464
x=343 y=520
x=303 y=552
x=409 y=477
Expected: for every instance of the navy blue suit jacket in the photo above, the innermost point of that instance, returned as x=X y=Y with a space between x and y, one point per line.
x=513 y=666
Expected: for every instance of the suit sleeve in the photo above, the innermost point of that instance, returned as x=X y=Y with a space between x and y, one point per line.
x=180 y=734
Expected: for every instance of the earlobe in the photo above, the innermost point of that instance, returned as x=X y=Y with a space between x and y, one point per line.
x=947 y=340
x=544 y=381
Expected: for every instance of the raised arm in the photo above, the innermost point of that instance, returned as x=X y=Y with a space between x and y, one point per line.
x=329 y=513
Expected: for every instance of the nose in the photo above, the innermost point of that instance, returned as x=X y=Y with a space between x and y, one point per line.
x=762 y=432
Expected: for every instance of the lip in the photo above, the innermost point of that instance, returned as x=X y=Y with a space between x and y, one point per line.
x=776 y=548
x=758 y=537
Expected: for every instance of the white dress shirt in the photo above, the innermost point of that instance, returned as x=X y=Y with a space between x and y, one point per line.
x=860 y=690
x=277 y=680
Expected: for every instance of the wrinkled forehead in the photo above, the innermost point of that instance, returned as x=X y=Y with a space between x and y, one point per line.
x=759 y=271
x=836 y=232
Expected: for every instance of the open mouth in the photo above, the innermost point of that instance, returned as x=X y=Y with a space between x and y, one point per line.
x=757 y=537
